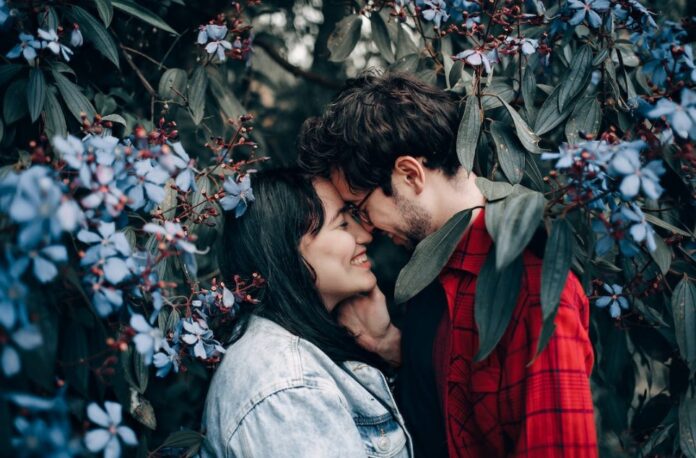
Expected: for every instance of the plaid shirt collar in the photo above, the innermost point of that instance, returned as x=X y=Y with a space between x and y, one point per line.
x=473 y=248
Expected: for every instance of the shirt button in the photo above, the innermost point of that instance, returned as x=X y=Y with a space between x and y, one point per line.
x=383 y=443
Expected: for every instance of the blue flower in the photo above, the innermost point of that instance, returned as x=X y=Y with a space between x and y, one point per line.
x=615 y=300
x=38 y=437
x=587 y=9
x=626 y=163
x=44 y=261
x=681 y=117
x=4 y=12
x=148 y=339
x=566 y=155
x=27 y=48
x=104 y=191
x=627 y=10
x=76 y=39
x=27 y=337
x=166 y=360
x=200 y=338
x=175 y=159
x=148 y=182
x=436 y=12
x=641 y=230
x=107 y=437
x=214 y=36
x=51 y=42
x=37 y=204
x=475 y=58
x=237 y=195
x=106 y=299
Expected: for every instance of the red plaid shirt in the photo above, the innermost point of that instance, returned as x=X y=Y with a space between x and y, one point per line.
x=499 y=407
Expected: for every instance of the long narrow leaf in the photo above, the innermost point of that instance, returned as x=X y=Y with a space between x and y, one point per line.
x=429 y=257
x=95 y=33
x=495 y=301
x=468 y=134
x=143 y=14
x=36 y=92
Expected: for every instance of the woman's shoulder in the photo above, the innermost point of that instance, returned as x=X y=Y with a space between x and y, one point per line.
x=265 y=361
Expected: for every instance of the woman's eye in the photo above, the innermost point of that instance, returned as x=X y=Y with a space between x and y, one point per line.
x=344 y=224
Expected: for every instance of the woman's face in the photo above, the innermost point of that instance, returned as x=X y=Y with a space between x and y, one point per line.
x=337 y=253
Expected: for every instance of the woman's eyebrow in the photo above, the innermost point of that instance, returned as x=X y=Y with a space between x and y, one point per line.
x=337 y=214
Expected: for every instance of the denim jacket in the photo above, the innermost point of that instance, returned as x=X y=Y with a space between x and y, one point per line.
x=277 y=395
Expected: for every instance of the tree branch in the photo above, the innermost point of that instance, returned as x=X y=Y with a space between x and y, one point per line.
x=295 y=70
x=137 y=71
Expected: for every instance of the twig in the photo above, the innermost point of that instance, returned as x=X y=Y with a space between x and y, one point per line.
x=166 y=54
x=142 y=54
x=137 y=71
x=295 y=70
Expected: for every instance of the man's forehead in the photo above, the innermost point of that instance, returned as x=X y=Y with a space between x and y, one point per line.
x=338 y=179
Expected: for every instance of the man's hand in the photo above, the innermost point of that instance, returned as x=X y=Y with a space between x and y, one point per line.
x=366 y=316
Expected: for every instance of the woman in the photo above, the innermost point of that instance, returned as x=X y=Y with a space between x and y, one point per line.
x=295 y=382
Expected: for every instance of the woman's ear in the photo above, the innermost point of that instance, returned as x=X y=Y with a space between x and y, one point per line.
x=410 y=172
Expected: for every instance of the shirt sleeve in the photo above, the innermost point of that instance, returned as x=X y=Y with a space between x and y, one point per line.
x=298 y=422
x=553 y=409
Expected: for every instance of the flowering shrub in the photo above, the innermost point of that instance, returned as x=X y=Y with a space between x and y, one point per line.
x=112 y=312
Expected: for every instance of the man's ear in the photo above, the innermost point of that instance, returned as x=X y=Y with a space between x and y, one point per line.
x=410 y=172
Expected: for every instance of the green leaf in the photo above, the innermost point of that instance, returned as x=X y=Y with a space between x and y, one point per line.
x=404 y=44
x=143 y=14
x=105 y=10
x=684 y=312
x=600 y=57
x=662 y=255
x=72 y=95
x=558 y=256
x=15 y=106
x=183 y=439
x=652 y=219
x=172 y=83
x=380 y=35
x=115 y=118
x=141 y=372
x=687 y=426
x=493 y=190
x=407 y=64
x=576 y=81
x=522 y=216
x=468 y=134
x=62 y=67
x=48 y=18
x=656 y=438
x=95 y=33
x=345 y=36
x=196 y=94
x=529 y=139
x=54 y=119
x=547 y=329
x=230 y=106
x=511 y=156
x=429 y=257
x=496 y=298
x=8 y=71
x=586 y=118
x=495 y=95
x=529 y=88
x=549 y=115
x=36 y=92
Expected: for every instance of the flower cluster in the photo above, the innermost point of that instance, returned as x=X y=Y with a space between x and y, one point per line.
x=49 y=39
x=666 y=55
x=680 y=117
x=608 y=179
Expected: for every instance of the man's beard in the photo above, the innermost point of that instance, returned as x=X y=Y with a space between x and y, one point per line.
x=416 y=220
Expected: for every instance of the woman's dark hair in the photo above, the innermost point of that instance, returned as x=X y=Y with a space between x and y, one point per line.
x=266 y=240
x=373 y=120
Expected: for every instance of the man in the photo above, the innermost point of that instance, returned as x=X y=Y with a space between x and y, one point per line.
x=387 y=144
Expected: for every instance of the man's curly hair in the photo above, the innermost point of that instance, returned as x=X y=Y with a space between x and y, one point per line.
x=375 y=119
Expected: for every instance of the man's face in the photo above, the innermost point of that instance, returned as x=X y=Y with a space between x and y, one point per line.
x=402 y=221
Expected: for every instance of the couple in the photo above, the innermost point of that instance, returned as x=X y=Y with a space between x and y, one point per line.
x=302 y=377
